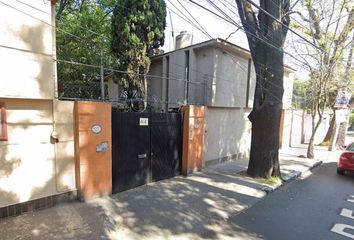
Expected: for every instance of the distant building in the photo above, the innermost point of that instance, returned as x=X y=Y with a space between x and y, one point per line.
x=214 y=73
x=221 y=76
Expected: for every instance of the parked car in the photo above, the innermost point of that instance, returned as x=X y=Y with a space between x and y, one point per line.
x=346 y=160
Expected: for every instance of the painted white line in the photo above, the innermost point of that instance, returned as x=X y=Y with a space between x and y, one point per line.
x=347 y=213
x=339 y=229
x=351 y=200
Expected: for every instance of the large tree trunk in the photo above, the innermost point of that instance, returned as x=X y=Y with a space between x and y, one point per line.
x=330 y=129
x=266 y=113
x=264 y=157
x=310 y=148
x=341 y=134
x=266 y=35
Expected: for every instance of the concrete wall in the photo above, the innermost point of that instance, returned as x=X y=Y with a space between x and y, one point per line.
x=29 y=168
x=26 y=51
x=64 y=148
x=230 y=80
x=176 y=86
x=93 y=159
x=297 y=127
x=228 y=134
x=218 y=77
x=37 y=160
x=321 y=131
x=205 y=74
x=287 y=121
x=113 y=90
x=288 y=89
x=155 y=85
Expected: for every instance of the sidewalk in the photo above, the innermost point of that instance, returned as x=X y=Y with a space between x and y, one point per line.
x=177 y=208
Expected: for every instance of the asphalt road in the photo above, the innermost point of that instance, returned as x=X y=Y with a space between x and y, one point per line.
x=303 y=209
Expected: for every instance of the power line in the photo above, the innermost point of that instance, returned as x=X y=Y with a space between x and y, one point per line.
x=244 y=70
x=121 y=71
x=222 y=12
x=230 y=9
x=81 y=39
x=185 y=18
x=274 y=18
x=38 y=19
x=228 y=19
x=46 y=23
x=237 y=24
x=195 y=20
x=78 y=38
x=250 y=33
x=28 y=5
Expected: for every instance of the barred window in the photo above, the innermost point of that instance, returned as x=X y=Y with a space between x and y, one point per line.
x=3 y=125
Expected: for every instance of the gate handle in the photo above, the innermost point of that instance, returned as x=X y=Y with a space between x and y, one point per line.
x=142 y=155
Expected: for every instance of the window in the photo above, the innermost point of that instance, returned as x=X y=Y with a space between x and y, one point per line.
x=3 y=125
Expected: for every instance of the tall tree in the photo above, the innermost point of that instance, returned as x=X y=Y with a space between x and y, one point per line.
x=137 y=29
x=83 y=35
x=328 y=25
x=266 y=34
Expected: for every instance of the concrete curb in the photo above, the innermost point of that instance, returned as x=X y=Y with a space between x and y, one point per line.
x=293 y=176
x=318 y=163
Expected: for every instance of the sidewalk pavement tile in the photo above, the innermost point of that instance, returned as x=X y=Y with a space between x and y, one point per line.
x=177 y=208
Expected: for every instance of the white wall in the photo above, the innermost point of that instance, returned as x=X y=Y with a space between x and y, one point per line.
x=205 y=75
x=228 y=133
x=252 y=86
x=321 y=131
x=225 y=73
x=31 y=166
x=27 y=158
x=177 y=78
x=287 y=120
x=64 y=149
x=296 y=133
x=230 y=80
x=155 y=85
x=288 y=89
x=26 y=49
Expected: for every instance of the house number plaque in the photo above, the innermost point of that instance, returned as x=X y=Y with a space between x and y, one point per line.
x=96 y=129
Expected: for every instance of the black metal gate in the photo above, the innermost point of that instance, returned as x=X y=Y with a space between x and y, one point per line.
x=145 y=147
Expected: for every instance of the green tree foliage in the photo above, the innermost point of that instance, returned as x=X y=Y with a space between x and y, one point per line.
x=351 y=120
x=137 y=30
x=328 y=25
x=83 y=35
x=302 y=94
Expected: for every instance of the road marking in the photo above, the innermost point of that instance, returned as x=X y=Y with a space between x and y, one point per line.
x=347 y=213
x=339 y=229
x=351 y=200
